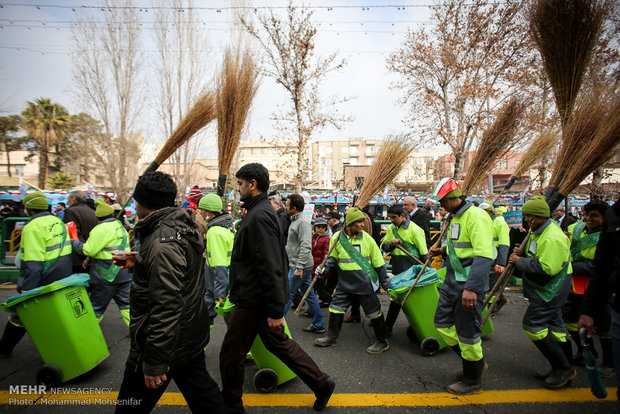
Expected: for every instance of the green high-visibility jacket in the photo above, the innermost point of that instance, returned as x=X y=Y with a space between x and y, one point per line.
x=583 y=261
x=547 y=261
x=501 y=239
x=351 y=277
x=104 y=239
x=45 y=251
x=471 y=236
x=410 y=233
x=220 y=240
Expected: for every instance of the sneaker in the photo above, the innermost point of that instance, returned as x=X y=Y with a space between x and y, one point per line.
x=606 y=371
x=325 y=341
x=324 y=394
x=378 y=347
x=313 y=329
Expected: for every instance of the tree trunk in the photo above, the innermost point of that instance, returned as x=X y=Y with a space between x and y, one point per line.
x=43 y=161
x=8 y=159
x=458 y=164
x=596 y=191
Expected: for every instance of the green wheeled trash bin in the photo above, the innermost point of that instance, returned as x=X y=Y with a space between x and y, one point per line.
x=60 y=320
x=271 y=371
x=421 y=306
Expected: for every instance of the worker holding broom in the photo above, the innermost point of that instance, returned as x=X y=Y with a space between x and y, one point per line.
x=470 y=255
x=361 y=269
x=220 y=239
x=404 y=233
x=501 y=241
x=584 y=238
x=546 y=267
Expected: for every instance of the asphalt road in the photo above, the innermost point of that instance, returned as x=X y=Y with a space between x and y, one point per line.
x=399 y=381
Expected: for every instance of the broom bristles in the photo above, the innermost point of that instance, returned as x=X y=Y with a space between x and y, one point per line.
x=565 y=32
x=237 y=87
x=495 y=143
x=198 y=116
x=578 y=137
x=390 y=160
x=537 y=150
x=602 y=148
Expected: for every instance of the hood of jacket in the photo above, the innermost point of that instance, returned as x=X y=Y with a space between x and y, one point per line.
x=172 y=222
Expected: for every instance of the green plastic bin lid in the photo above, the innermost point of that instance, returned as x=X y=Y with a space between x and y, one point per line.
x=403 y=281
x=79 y=279
x=225 y=309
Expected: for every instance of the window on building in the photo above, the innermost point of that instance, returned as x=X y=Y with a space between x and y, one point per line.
x=345 y=149
x=516 y=164
x=370 y=160
x=241 y=152
x=345 y=160
x=502 y=164
x=252 y=151
x=328 y=149
x=329 y=161
x=274 y=150
x=370 y=149
x=354 y=161
x=263 y=150
x=19 y=170
x=353 y=149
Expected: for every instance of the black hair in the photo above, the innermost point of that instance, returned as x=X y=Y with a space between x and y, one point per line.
x=255 y=171
x=598 y=205
x=297 y=201
x=62 y=204
x=396 y=209
x=155 y=190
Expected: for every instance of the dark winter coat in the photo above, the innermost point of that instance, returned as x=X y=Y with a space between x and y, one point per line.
x=169 y=316
x=85 y=220
x=259 y=266
x=424 y=221
x=285 y=221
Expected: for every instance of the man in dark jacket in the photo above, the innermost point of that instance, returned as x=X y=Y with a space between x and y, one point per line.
x=169 y=317
x=419 y=217
x=283 y=218
x=259 y=290
x=604 y=282
x=564 y=220
x=84 y=218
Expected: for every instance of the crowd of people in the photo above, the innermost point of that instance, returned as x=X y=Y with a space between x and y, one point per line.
x=189 y=260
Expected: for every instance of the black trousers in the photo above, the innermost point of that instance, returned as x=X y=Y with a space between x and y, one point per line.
x=199 y=389
x=243 y=326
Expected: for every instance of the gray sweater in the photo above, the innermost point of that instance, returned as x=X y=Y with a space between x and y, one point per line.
x=299 y=243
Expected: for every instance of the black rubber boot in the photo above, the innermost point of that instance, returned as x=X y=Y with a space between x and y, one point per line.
x=607 y=368
x=390 y=318
x=11 y=337
x=333 y=331
x=381 y=345
x=460 y=375
x=567 y=348
x=561 y=370
x=472 y=378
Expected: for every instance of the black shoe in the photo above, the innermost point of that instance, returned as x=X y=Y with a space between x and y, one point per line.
x=313 y=329
x=323 y=304
x=324 y=394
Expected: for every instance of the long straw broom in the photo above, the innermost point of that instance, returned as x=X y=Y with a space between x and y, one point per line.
x=565 y=33
x=237 y=86
x=540 y=147
x=197 y=117
x=390 y=160
x=494 y=144
x=602 y=144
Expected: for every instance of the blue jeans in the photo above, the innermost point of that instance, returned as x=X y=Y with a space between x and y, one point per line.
x=615 y=340
x=302 y=284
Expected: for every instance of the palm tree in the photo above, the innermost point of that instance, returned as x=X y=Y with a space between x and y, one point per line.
x=46 y=123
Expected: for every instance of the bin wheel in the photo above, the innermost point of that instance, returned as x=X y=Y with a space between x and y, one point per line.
x=49 y=375
x=429 y=346
x=411 y=335
x=266 y=380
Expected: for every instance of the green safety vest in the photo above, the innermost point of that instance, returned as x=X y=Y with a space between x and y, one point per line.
x=346 y=257
x=470 y=234
x=501 y=232
x=105 y=238
x=583 y=245
x=412 y=239
x=551 y=249
x=44 y=239
x=219 y=246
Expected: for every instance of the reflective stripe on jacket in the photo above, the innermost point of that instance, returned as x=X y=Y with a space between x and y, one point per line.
x=45 y=257
x=471 y=234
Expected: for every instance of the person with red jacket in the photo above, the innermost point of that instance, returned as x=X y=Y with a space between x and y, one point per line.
x=320 y=248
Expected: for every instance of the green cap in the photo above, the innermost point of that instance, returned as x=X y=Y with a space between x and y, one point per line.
x=211 y=202
x=103 y=208
x=487 y=205
x=454 y=193
x=536 y=206
x=353 y=215
x=35 y=201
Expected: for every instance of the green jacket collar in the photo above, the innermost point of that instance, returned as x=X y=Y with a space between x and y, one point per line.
x=542 y=228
